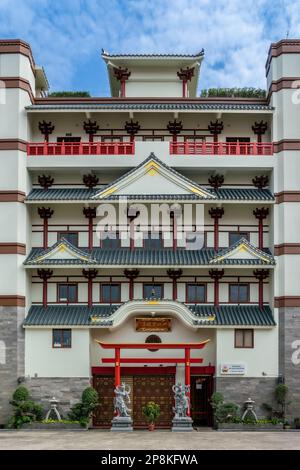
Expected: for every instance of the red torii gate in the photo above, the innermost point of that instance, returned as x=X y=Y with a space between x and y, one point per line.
x=187 y=360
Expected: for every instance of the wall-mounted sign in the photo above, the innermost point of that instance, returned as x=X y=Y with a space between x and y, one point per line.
x=153 y=324
x=237 y=368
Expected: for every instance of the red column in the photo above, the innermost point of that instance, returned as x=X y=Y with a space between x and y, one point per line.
x=261 y=275
x=90 y=274
x=216 y=213
x=174 y=274
x=45 y=274
x=117 y=367
x=45 y=213
x=90 y=214
x=216 y=275
x=131 y=274
x=187 y=356
x=261 y=214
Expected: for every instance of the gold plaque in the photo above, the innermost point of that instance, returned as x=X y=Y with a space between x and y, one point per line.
x=153 y=324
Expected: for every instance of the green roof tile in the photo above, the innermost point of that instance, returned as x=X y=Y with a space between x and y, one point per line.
x=79 y=315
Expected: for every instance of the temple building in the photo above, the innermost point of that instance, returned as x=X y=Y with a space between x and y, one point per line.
x=150 y=237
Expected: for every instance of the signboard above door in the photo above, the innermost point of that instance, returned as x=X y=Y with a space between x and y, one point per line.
x=150 y=324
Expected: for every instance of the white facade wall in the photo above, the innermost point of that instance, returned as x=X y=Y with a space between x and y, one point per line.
x=42 y=360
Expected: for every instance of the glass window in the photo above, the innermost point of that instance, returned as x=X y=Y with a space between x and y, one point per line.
x=71 y=237
x=234 y=237
x=67 y=292
x=61 y=338
x=153 y=241
x=195 y=293
x=238 y=293
x=111 y=293
x=244 y=339
x=154 y=291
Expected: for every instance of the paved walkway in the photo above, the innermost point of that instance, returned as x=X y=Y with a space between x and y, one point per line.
x=145 y=440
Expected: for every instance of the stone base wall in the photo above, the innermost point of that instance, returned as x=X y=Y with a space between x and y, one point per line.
x=289 y=326
x=11 y=356
x=238 y=390
x=67 y=390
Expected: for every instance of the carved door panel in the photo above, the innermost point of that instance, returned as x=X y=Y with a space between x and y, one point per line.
x=103 y=414
x=156 y=388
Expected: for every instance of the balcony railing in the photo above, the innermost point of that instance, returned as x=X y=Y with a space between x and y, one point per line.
x=221 y=148
x=81 y=148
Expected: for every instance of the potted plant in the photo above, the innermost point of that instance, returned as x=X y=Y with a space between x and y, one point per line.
x=152 y=412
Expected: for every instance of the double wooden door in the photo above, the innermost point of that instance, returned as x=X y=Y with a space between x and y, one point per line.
x=144 y=388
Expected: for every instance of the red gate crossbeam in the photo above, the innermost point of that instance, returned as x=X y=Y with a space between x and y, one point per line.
x=186 y=361
x=151 y=360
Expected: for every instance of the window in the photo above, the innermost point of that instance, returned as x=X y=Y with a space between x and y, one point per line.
x=67 y=292
x=238 y=293
x=61 y=338
x=154 y=291
x=243 y=338
x=243 y=141
x=234 y=237
x=153 y=241
x=71 y=237
x=110 y=293
x=195 y=293
x=238 y=139
x=110 y=241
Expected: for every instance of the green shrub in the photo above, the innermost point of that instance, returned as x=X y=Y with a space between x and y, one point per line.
x=246 y=92
x=216 y=399
x=83 y=410
x=280 y=393
x=69 y=94
x=151 y=411
x=25 y=409
x=227 y=413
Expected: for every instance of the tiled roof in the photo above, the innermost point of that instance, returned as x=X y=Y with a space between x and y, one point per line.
x=221 y=257
x=144 y=257
x=85 y=194
x=180 y=56
x=153 y=106
x=78 y=315
x=246 y=315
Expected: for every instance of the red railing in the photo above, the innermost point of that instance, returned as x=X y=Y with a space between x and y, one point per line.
x=81 y=148
x=221 y=148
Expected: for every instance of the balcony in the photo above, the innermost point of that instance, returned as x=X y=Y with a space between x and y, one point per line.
x=221 y=148
x=80 y=148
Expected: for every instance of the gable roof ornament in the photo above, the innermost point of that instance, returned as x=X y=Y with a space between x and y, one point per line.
x=61 y=250
x=243 y=249
x=152 y=166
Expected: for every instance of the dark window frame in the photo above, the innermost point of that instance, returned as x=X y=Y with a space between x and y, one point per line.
x=239 y=284
x=204 y=284
x=238 y=232
x=118 y=237
x=62 y=346
x=67 y=284
x=109 y=284
x=244 y=331
x=153 y=284
x=160 y=238
x=66 y=232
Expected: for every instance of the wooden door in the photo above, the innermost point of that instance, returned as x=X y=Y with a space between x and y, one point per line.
x=201 y=392
x=103 y=414
x=157 y=388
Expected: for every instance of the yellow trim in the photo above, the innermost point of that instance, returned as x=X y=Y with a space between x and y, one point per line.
x=108 y=191
x=152 y=172
x=153 y=302
x=61 y=248
x=152 y=164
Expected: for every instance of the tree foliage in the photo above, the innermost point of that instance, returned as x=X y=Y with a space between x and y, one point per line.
x=25 y=409
x=83 y=410
x=246 y=92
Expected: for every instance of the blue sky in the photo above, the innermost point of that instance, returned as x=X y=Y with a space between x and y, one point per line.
x=66 y=36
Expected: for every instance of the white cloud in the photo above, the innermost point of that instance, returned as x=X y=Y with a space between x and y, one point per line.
x=235 y=35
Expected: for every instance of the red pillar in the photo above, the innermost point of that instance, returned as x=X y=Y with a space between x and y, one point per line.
x=261 y=275
x=45 y=274
x=261 y=214
x=216 y=213
x=90 y=274
x=131 y=274
x=174 y=274
x=45 y=213
x=216 y=275
x=90 y=214
x=187 y=355
x=117 y=367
